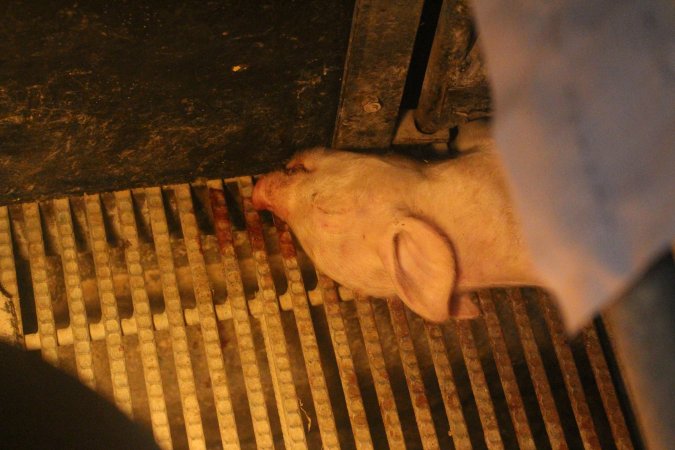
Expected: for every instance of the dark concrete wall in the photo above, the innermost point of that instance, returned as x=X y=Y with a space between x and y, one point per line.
x=106 y=94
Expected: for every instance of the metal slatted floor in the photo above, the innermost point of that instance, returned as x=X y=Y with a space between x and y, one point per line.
x=201 y=319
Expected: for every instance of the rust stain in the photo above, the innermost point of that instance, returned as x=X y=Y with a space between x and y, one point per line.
x=223 y=225
x=286 y=246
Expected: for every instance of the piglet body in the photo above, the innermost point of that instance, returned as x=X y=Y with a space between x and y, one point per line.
x=385 y=226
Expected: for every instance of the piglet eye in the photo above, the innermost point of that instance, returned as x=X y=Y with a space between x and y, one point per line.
x=295 y=168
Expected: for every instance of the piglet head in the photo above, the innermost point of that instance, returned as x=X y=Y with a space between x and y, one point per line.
x=355 y=217
x=278 y=191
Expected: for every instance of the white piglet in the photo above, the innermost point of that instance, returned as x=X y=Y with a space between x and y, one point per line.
x=385 y=225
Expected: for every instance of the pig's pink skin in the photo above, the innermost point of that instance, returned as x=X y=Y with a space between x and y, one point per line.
x=264 y=190
x=374 y=224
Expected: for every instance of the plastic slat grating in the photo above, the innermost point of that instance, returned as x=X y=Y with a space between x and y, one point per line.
x=310 y=349
x=108 y=303
x=538 y=373
x=157 y=250
x=207 y=318
x=378 y=370
x=41 y=293
x=446 y=381
x=575 y=390
x=74 y=294
x=174 y=312
x=348 y=378
x=12 y=329
x=240 y=315
x=143 y=320
x=506 y=374
x=413 y=375
x=479 y=385
x=607 y=391
x=275 y=340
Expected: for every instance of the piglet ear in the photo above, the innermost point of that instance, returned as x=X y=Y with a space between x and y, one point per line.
x=421 y=263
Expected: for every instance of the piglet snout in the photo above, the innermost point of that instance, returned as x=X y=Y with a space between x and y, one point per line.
x=260 y=197
x=271 y=193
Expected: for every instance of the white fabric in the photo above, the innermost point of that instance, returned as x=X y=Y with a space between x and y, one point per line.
x=585 y=122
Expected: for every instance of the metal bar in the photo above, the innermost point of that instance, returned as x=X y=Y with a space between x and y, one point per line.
x=277 y=353
x=455 y=87
x=575 y=390
x=506 y=374
x=380 y=47
x=446 y=382
x=74 y=294
x=38 y=271
x=605 y=385
x=413 y=377
x=11 y=326
x=109 y=313
x=207 y=318
x=641 y=328
x=174 y=312
x=240 y=316
x=143 y=320
x=537 y=373
x=310 y=349
x=345 y=363
x=481 y=393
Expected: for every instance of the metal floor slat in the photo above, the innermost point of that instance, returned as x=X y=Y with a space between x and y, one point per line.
x=177 y=270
